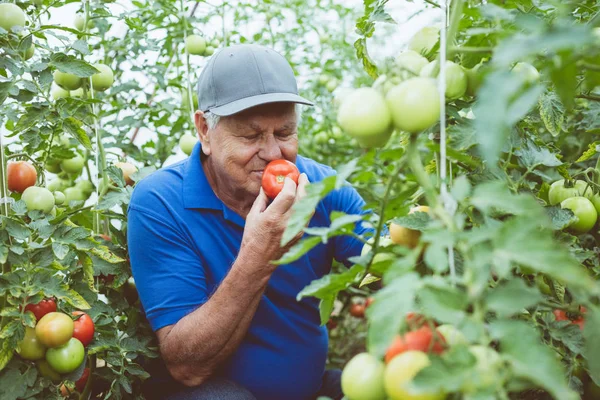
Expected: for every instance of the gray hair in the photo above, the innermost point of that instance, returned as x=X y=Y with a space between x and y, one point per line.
x=212 y=119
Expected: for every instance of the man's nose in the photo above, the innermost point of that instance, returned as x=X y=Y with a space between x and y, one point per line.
x=270 y=149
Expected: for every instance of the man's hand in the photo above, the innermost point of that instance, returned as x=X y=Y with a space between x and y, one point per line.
x=265 y=223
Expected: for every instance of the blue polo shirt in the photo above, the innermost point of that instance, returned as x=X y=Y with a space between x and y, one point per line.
x=182 y=242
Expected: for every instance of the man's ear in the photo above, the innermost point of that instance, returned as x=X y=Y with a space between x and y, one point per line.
x=202 y=129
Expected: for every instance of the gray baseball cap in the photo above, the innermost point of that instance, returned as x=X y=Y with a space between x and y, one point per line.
x=243 y=76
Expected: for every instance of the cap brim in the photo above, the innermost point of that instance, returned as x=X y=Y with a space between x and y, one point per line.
x=248 y=102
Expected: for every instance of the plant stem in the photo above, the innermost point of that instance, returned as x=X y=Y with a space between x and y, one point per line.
x=588 y=97
x=468 y=49
x=432 y=3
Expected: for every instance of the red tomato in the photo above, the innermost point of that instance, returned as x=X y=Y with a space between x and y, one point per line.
x=368 y=302
x=332 y=323
x=20 y=176
x=42 y=308
x=274 y=176
x=83 y=328
x=80 y=384
x=422 y=339
x=357 y=310
x=560 y=315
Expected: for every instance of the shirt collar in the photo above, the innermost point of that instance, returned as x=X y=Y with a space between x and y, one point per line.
x=197 y=192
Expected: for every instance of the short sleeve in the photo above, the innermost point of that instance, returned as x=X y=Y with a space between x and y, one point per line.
x=168 y=272
x=347 y=200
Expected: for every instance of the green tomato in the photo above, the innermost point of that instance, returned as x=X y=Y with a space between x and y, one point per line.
x=74 y=194
x=66 y=358
x=30 y=348
x=424 y=40
x=103 y=79
x=58 y=93
x=73 y=165
x=331 y=85
x=58 y=185
x=323 y=79
x=410 y=64
x=67 y=81
x=527 y=72
x=364 y=115
x=11 y=15
x=401 y=370
x=215 y=43
x=187 y=143
x=474 y=79
x=585 y=212
x=59 y=198
x=452 y=335
x=46 y=370
x=79 y=22
x=52 y=166
x=321 y=138
x=414 y=104
x=195 y=44
x=29 y=52
x=209 y=51
x=486 y=370
x=85 y=186
x=362 y=378
x=456 y=79
x=336 y=132
x=558 y=192
x=38 y=198
x=79 y=93
x=382 y=256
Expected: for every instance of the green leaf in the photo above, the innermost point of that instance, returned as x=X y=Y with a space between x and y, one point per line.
x=387 y=313
x=442 y=302
x=564 y=77
x=5 y=87
x=593 y=149
x=74 y=127
x=6 y=354
x=72 y=65
x=561 y=217
x=521 y=242
x=592 y=344
x=511 y=297
x=448 y=373
x=298 y=250
x=13 y=384
x=331 y=284
x=532 y=155
x=416 y=221
x=363 y=55
x=530 y=358
x=60 y=250
x=32 y=117
x=325 y=308
x=494 y=196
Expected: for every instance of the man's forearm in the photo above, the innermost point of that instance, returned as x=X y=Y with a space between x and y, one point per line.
x=200 y=341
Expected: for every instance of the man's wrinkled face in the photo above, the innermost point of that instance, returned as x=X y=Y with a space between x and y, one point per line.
x=241 y=146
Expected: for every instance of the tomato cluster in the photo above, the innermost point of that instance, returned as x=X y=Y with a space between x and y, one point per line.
x=578 y=320
x=57 y=343
x=578 y=197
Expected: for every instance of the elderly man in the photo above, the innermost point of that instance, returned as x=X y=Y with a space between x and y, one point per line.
x=202 y=234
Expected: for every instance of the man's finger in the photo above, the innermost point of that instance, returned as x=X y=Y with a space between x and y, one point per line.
x=302 y=183
x=285 y=199
x=260 y=203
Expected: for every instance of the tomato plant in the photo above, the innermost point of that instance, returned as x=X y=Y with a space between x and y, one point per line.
x=273 y=177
